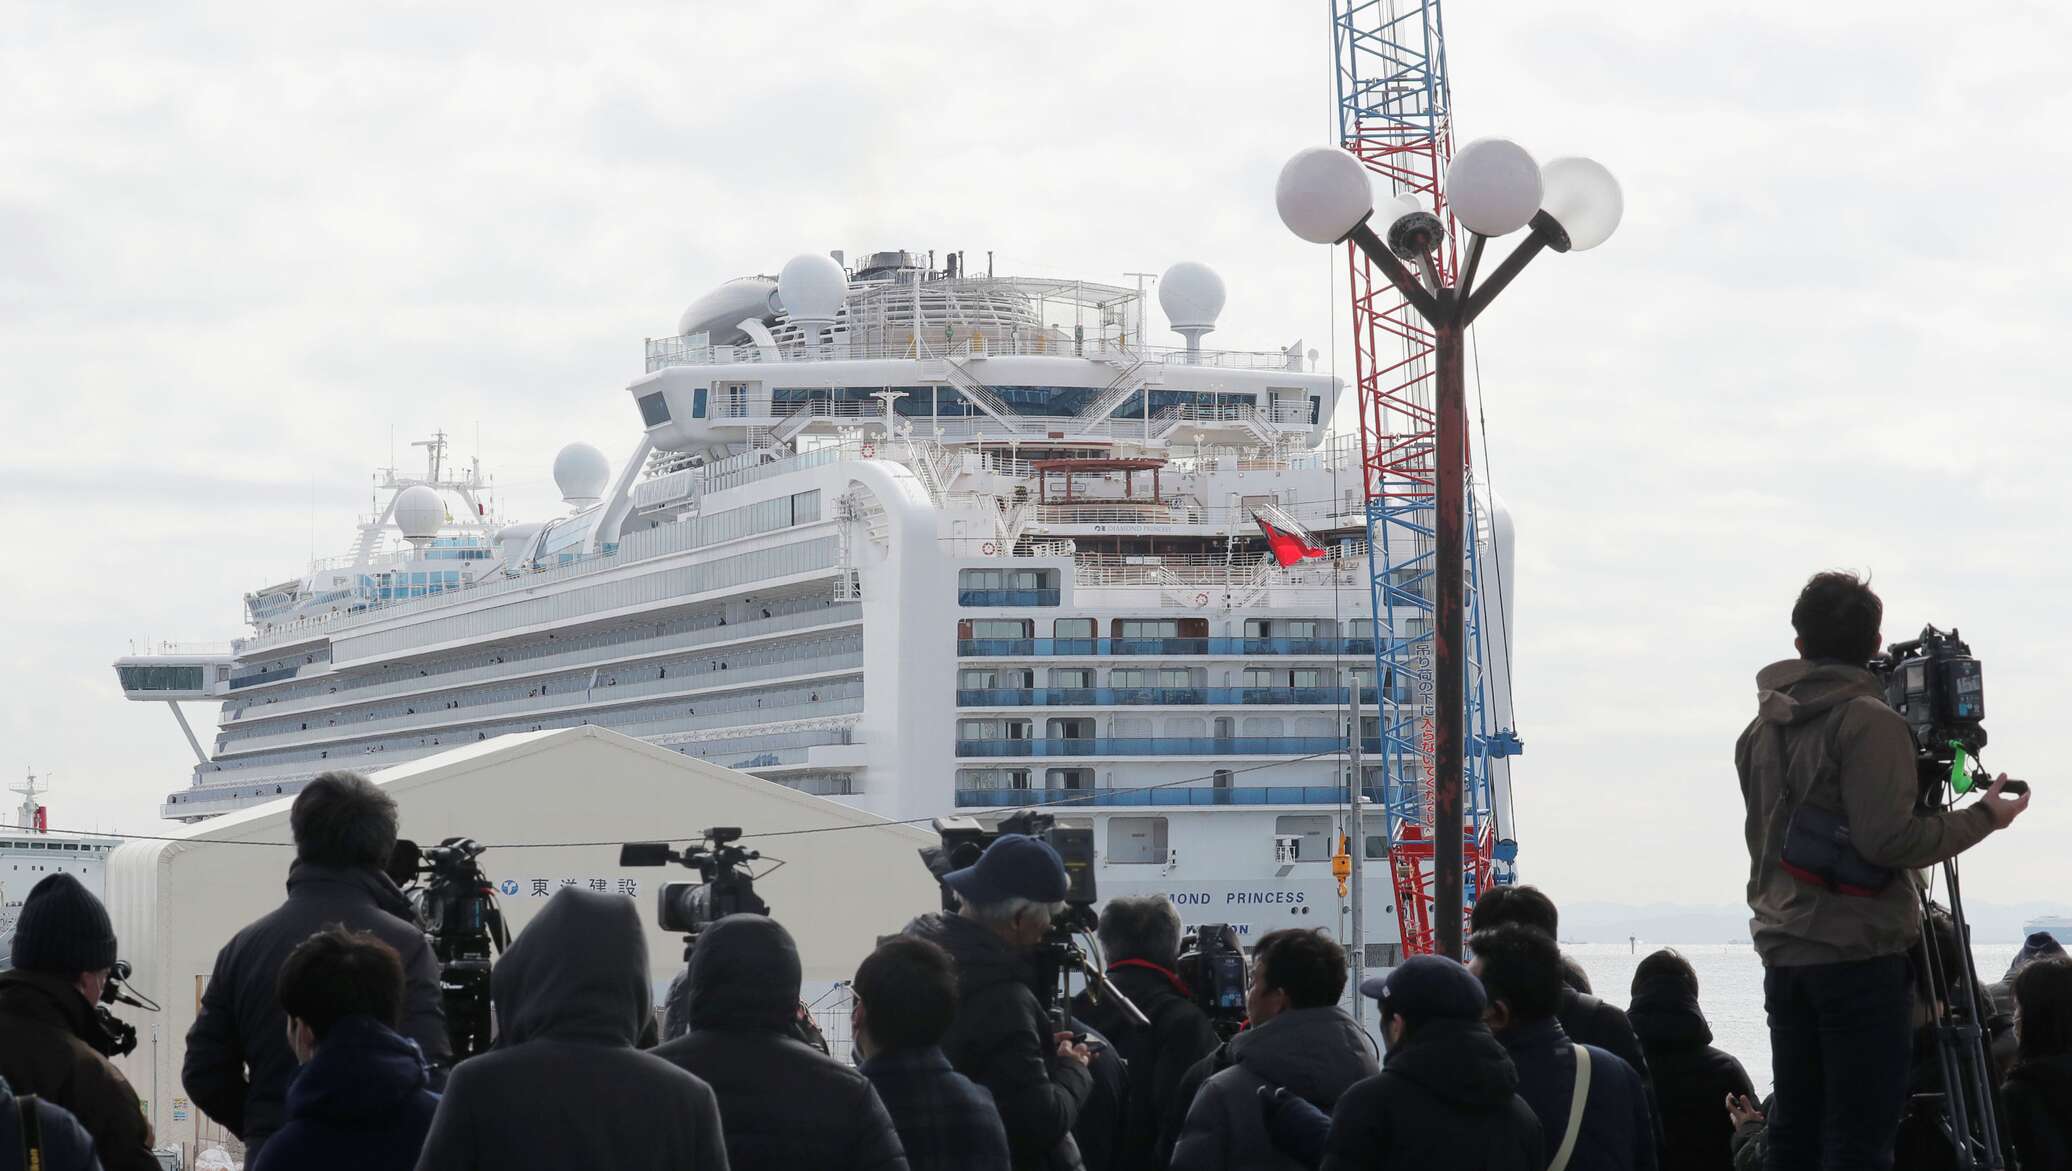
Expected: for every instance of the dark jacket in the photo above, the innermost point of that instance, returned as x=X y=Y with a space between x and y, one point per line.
x=1001 y=1039
x=1445 y=1097
x=1823 y=736
x=1098 y=1129
x=361 y=1104
x=2038 y=1097
x=564 y=1088
x=65 y=1144
x=44 y=1023
x=782 y=1103
x=1315 y=1053
x=241 y=1026
x=1692 y=1079
x=945 y=1121
x=1616 y=1134
x=1158 y=1056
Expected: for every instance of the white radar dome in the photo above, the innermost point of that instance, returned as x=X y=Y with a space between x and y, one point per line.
x=1192 y=296
x=812 y=287
x=580 y=471
x=419 y=513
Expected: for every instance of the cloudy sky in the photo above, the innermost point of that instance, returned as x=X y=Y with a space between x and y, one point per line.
x=243 y=248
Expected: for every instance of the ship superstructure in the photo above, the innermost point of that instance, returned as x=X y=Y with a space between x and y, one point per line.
x=908 y=537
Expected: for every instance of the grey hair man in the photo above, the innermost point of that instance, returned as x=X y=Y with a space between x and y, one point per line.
x=1140 y=941
x=1001 y=1037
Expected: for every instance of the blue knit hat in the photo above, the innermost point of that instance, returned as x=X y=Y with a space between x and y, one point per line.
x=1015 y=865
x=63 y=930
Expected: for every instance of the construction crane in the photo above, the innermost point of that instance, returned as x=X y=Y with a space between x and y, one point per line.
x=1395 y=115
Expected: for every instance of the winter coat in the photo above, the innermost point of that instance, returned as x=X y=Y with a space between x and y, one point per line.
x=1002 y=1039
x=1316 y=1053
x=2038 y=1098
x=564 y=1088
x=1692 y=1079
x=782 y=1103
x=1158 y=1056
x=241 y=1026
x=361 y=1104
x=1098 y=1130
x=44 y=1024
x=945 y=1121
x=1616 y=1132
x=1824 y=737
x=1592 y=1021
x=1445 y=1097
x=65 y=1144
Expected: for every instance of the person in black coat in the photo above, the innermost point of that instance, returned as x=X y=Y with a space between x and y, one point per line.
x=782 y=1103
x=61 y=1143
x=238 y=1062
x=906 y=997
x=1002 y=1038
x=564 y=1088
x=2038 y=1093
x=1140 y=939
x=1692 y=1079
x=360 y=1102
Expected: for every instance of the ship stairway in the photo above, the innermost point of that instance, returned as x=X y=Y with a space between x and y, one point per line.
x=1132 y=378
x=952 y=372
x=790 y=425
x=1009 y=521
x=934 y=468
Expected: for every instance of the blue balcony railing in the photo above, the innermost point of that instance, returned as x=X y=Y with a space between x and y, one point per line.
x=1007 y=597
x=1127 y=696
x=1194 y=795
x=1022 y=647
x=1161 y=746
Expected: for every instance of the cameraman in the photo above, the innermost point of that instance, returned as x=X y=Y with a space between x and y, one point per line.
x=1140 y=939
x=345 y=829
x=1825 y=749
x=1001 y=1037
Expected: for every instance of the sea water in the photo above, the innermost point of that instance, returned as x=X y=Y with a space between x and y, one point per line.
x=1730 y=989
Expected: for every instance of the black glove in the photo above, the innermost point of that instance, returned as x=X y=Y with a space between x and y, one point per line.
x=1297 y=1128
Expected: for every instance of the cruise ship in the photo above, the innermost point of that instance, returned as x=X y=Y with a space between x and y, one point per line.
x=910 y=537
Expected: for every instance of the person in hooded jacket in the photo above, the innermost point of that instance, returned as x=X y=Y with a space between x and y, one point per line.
x=238 y=1061
x=1297 y=1038
x=360 y=1102
x=1825 y=753
x=1140 y=939
x=51 y=1045
x=1001 y=1037
x=782 y=1103
x=564 y=1086
x=1692 y=1079
x=59 y=1141
x=2038 y=1093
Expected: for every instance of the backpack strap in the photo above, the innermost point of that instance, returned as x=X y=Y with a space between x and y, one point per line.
x=1575 y=1109
x=32 y=1133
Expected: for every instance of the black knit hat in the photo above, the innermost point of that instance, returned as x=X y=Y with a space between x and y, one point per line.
x=63 y=930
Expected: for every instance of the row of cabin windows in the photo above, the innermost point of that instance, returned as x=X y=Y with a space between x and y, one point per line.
x=1410 y=627
x=1024 y=678
x=1297 y=837
x=1007 y=579
x=1141 y=727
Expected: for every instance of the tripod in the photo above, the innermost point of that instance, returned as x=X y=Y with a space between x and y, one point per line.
x=1969 y=1102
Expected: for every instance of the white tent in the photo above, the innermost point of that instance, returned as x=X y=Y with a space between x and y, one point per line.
x=175 y=903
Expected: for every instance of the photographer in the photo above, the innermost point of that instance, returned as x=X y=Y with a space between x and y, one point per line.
x=1827 y=754
x=50 y=1044
x=1140 y=939
x=1001 y=1037
x=345 y=829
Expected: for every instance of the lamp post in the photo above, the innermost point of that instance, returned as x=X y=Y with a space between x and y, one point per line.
x=1326 y=195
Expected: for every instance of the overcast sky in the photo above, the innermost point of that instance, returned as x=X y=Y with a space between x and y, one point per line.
x=241 y=246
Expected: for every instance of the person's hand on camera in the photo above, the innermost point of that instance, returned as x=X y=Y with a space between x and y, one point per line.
x=1073 y=1049
x=2003 y=808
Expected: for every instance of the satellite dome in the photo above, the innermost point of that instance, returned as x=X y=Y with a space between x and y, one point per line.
x=812 y=287
x=419 y=513
x=580 y=471
x=1192 y=295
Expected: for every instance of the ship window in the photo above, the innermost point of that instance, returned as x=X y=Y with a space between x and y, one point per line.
x=1068 y=778
x=1147 y=628
x=1302 y=837
x=654 y=408
x=1000 y=628
x=1071 y=677
x=992 y=729
x=1074 y=628
x=698 y=403
x=1137 y=840
x=1150 y=677
x=1310 y=677
x=993 y=778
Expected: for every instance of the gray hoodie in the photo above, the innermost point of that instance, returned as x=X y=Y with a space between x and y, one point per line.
x=1317 y=1053
x=564 y=1087
x=1824 y=736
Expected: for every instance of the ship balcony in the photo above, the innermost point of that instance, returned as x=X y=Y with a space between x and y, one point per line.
x=1168 y=696
x=1120 y=746
x=975 y=648
x=1190 y=795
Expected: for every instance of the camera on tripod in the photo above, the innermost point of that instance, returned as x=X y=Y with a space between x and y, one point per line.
x=1212 y=965
x=118 y=1037
x=1939 y=689
x=727 y=887
x=456 y=907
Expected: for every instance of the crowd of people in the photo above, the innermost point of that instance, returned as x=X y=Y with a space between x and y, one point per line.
x=321 y=1039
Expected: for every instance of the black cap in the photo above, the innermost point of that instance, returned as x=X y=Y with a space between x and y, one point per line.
x=63 y=930
x=1426 y=988
x=1014 y=866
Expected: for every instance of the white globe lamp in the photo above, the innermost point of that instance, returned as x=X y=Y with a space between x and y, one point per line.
x=1493 y=186
x=1584 y=198
x=1323 y=194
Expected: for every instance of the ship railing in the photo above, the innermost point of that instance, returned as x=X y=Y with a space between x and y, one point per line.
x=697 y=350
x=1176 y=796
x=527 y=668
x=1235 y=647
x=1212 y=746
x=988 y=697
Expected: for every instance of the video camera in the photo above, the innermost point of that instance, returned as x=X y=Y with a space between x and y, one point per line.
x=1069 y=944
x=728 y=888
x=456 y=907
x=1212 y=965
x=118 y=1037
x=1936 y=685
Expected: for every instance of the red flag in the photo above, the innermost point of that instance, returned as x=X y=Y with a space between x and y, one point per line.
x=1289 y=541
x=42 y=819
